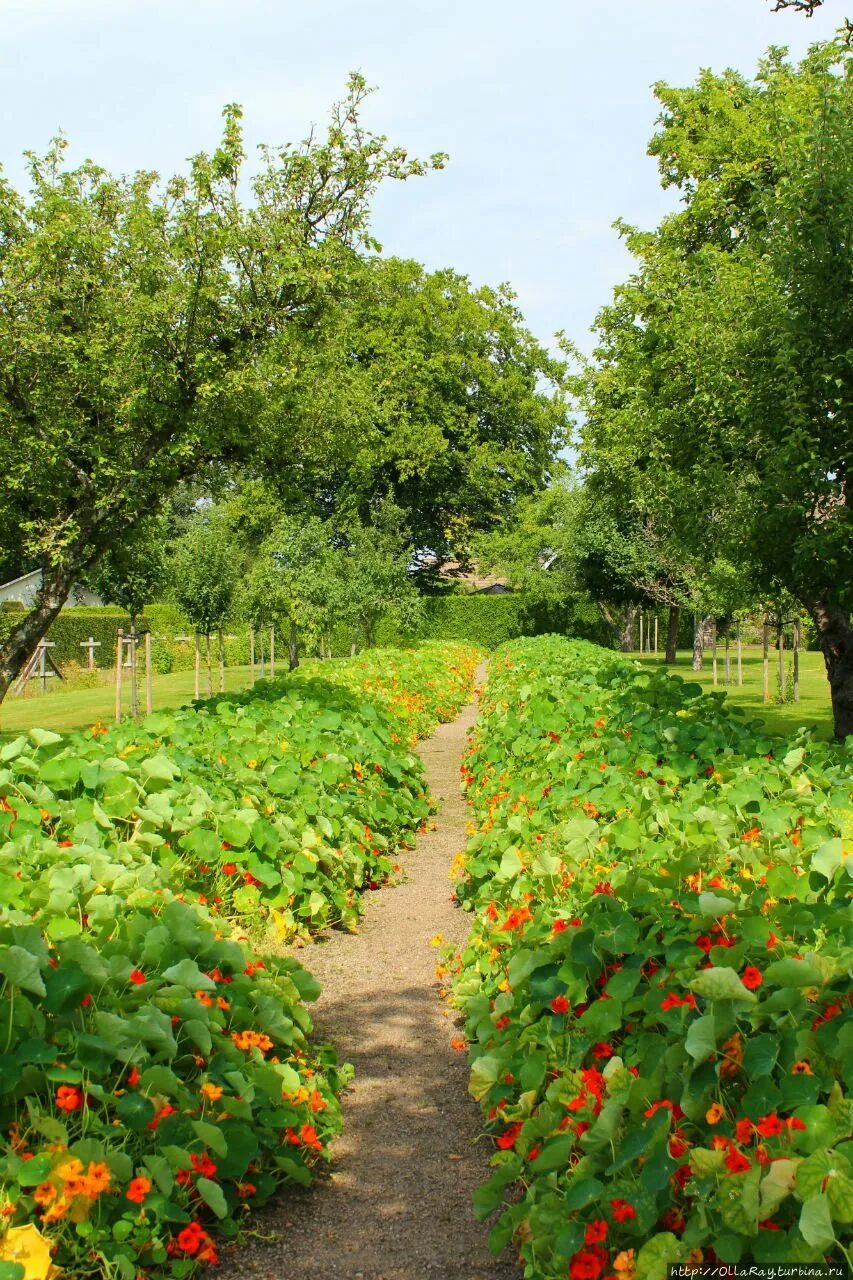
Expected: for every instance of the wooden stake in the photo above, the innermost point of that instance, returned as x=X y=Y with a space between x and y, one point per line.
x=728 y=660
x=119 y=660
x=640 y=645
x=209 y=668
x=796 y=659
x=766 y=661
x=134 y=686
x=252 y=654
x=149 y=697
x=714 y=652
x=739 y=656
x=782 y=697
x=221 y=661
x=197 y=666
x=272 y=653
x=656 y=633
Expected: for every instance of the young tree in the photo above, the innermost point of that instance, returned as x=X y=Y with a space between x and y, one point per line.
x=131 y=572
x=205 y=564
x=146 y=327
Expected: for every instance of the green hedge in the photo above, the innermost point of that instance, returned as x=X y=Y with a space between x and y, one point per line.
x=488 y=621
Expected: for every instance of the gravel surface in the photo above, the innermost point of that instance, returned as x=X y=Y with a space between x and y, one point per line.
x=397 y=1205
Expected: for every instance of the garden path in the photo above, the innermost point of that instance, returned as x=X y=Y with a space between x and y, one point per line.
x=397 y=1205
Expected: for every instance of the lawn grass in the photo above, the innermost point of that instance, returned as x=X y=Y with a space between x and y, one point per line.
x=813 y=711
x=77 y=708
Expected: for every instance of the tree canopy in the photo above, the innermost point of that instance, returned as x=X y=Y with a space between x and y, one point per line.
x=723 y=380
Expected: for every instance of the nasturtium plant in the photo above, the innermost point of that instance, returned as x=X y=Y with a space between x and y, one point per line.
x=157 y=1080
x=656 y=987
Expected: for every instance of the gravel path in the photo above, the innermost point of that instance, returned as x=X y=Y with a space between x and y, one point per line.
x=397 y=1205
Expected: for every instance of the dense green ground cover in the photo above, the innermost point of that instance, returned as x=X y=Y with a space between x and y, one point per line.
x=813 y=711
x=656 y=989
x=155 y=1072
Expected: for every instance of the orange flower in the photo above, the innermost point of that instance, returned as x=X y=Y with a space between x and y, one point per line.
x=138 y=1190
x=247 y=1040
x=212 y=1092
x=69 y=1098
x=203 y=998
x=44 y=1193
x=97 y=1180
x=715 y=1113
x=801 y=1068
x=732 y=1056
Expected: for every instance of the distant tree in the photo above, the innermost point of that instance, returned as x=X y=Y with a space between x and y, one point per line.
x=132 y=572
x=204 y=566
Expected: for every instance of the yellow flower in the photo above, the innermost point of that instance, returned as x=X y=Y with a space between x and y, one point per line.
x=211 y=1091
x=27 y=1246
x=70 y=1169
x=437 y=940
x=251 y=764
x=746 y=873
x=623 y=1264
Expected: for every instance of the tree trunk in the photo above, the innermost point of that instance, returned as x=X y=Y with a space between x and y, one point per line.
x=293 y=648
x=699 y=625
x=835 y=636
x=626 y=635
x=33 y=627
x=672 y=634
x=221 y=661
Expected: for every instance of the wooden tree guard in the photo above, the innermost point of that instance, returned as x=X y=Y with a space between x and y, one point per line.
x=272 y=653
x=766 y=661
x=36 y=668
x=149 y=699
x=221 y=661
x=714 y=654
x=91 y=645
x=739 y=656
x=209 y=669
x=656 y=633
x=796 y=659
x=782 y=690
x=119 y=663
x=252 y=654
x=728 y=659
x=197 y=666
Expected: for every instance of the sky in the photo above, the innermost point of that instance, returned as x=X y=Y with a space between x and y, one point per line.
x=544 y=107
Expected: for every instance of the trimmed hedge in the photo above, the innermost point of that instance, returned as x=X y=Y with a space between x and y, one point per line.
x=489 y=621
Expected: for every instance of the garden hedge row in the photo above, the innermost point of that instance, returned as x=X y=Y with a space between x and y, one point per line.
x=657 y=984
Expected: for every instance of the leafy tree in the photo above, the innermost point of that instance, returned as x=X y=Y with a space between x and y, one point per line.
x=374 y=575
x=205 y=564
x=132 y=572
x=145 y=328
x=427 y=392
x=723 y=380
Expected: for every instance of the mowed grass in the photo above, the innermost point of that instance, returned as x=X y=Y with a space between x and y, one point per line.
x=79 y=708
x=813 y=711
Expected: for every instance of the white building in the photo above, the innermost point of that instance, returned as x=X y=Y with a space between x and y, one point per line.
x=23 y=591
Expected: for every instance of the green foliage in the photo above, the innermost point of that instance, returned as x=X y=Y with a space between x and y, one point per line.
x=488 y=621
x=156 y=1079
x=656 y=984
x=204 y=566
x=133 y=569
x=720 y=397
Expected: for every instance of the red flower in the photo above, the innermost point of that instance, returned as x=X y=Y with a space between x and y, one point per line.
x=229 y=868
x=665 y=1102
x=623 y=1211
x=508 y=1137
x=672 y=1001
x=602 y=1050
x=744 y=1130
x=137 y=977
x=69 y=1098
x=588 y=1263
x=164 y=1111
x=736 y=1162
x=751 y=977
x=596 y=1232
x=559 y=1005
x=559 y=926
x=502 y=1022
x=189 y=1240
x=133 y=1076
x=795 y=1123
x=203 y=1164
x=604 y=886
x=704 y=943
x=770 y=1126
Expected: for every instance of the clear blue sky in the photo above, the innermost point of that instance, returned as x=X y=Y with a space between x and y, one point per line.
x=545 y=108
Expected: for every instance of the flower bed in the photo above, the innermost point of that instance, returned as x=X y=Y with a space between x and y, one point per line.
x=156 y=1079
x=278 y=805
x=656 y=989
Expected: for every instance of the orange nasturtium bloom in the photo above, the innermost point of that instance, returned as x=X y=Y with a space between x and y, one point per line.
x=138 y=1190
x=212 y=1092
